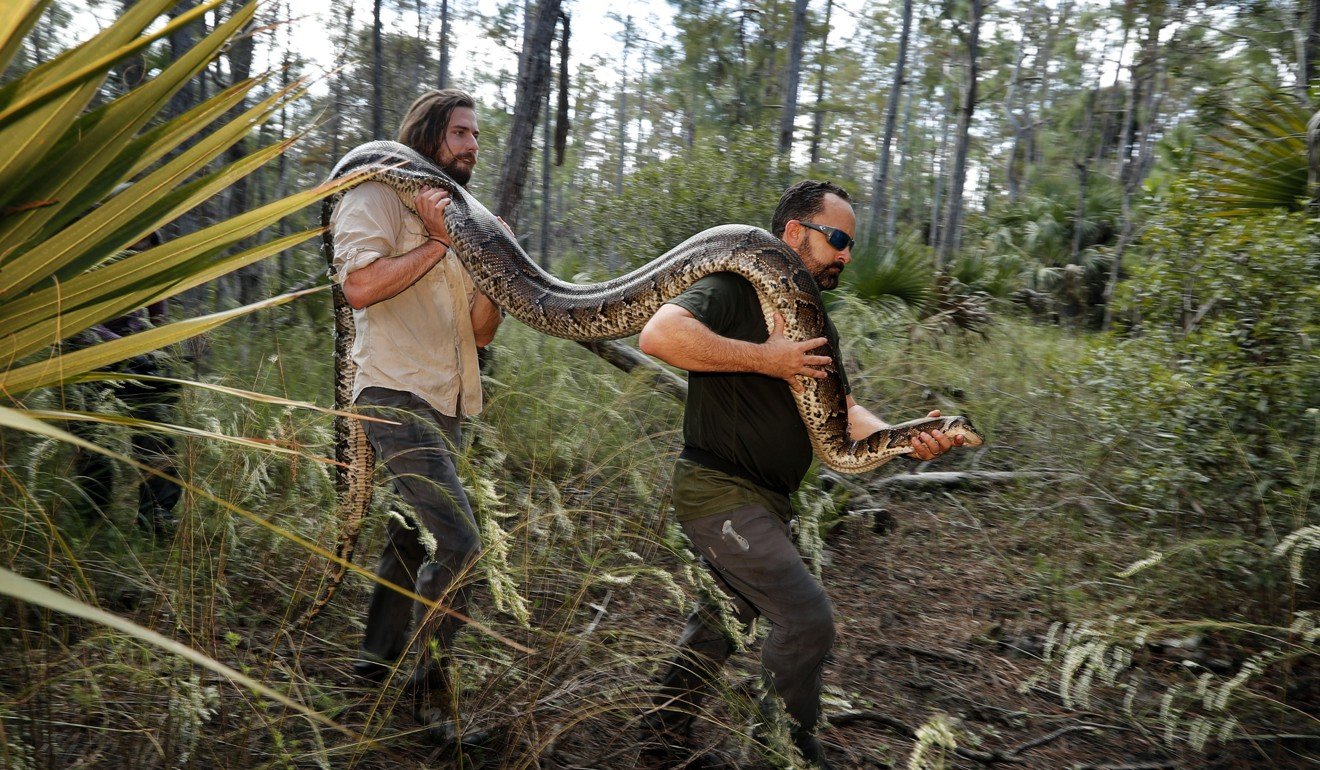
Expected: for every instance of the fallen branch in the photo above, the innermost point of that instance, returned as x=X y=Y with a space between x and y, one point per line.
x=1138 y=766
x=948 y=657
x=600 y=613
x=1010 y=757
x=628 y=358
x=962 y=478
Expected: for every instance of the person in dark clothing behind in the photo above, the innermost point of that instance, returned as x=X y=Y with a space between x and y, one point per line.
x=745 y=452
x=145 y=400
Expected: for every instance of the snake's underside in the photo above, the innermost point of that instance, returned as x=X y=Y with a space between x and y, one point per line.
x=607 y=310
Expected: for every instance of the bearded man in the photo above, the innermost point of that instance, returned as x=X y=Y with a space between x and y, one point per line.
x=419 y=321
x=746 y=450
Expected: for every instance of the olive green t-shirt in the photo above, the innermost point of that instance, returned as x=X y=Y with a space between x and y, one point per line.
x=745 y=425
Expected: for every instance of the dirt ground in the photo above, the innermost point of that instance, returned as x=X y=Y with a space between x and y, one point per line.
x=928 y=625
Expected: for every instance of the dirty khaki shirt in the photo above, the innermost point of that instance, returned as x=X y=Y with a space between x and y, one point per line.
x=420 y=340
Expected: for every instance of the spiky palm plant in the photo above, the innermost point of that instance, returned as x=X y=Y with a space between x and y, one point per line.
x=1261 y=160
x=81 y=181
x=79 y=185
x=1041 y=227
x=900 y=277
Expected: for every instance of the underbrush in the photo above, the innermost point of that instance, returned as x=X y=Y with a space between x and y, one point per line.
x=568 y=472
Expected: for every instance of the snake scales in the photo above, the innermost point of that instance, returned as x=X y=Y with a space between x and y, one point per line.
x=607 y=310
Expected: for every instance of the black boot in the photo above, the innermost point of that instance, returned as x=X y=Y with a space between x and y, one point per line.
x=811 y=749
x=370 y=670
x=428 y=693
x=157 y=521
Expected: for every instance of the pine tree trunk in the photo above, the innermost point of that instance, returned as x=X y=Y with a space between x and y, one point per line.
x=953 y=220
x=282 y=180
x=818 y=114
x=130 y=72
x=939 y=171
x=337 y=89
x=1042 y=65
x=533 y=83
x=547 y=143
x=1311 y=55
x=891 y=216
x=621 y=116
x=621 y=123
x=1313 y=156
x=1124 y=170
x=181 y=40
x=239 y=54
x=1082 y=161
x=1016 y=125
x=640 y=149
x=880 y=187
x=443 y=80
x=1133 y=156
x=792 y=75
x=377 y=73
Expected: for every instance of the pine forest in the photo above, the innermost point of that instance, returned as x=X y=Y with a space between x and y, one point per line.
x=1090 y=227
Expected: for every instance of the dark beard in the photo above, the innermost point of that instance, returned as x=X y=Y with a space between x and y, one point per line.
x=457 y=172
x=826 y=278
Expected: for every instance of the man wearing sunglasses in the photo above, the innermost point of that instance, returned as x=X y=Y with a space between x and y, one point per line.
x=745 y=452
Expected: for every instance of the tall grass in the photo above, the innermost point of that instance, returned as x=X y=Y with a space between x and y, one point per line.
x=568 y=472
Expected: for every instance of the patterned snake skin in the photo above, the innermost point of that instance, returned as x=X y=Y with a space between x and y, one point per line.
x=607 y=310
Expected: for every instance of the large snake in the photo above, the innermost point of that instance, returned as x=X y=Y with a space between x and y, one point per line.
x=598 y=311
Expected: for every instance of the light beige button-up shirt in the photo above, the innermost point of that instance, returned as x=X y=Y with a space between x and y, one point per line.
x=420 y=340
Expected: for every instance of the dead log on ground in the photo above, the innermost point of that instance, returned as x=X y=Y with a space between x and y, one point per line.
x=628 y=358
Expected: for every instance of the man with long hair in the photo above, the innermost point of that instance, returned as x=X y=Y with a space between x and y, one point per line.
x=419 y=322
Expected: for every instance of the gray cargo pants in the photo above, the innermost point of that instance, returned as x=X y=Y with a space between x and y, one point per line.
x=753 y=559
x=418 y=453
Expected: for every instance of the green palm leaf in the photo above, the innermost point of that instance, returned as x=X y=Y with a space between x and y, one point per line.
x=131 y=283
x=54 y=370
x=62 y=234
x=17 y=17
x=1260 y=162
x=901 y=275
x=110 y=128
x=36 y=109
x=136 y=211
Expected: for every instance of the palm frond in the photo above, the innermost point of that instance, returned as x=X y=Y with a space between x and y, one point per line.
x=78 y=186
x=903 y=273
x=1260 y=162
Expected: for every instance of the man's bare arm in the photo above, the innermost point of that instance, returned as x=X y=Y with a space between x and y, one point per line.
x=388 y=276
x=676 y=337
x=862 y=423
x=385 y=278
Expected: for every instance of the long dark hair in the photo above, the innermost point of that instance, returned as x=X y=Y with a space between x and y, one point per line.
x=423 y=128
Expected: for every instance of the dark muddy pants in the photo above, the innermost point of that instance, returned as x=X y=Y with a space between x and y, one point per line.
x=419 y=456
x=145 y=400
x=754 y=560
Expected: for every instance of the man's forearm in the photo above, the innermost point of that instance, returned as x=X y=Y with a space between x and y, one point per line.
x=861 y=422
x=388 y=276
x=692 y=346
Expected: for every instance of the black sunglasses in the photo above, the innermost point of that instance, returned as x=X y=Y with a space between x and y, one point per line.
x=838 y=239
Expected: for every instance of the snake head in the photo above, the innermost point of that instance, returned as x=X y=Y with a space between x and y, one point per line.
x=958 y=425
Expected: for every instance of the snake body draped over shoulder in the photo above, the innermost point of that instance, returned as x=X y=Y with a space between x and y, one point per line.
x=610 y=309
